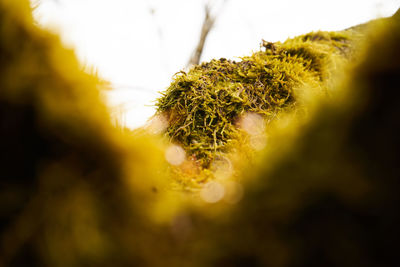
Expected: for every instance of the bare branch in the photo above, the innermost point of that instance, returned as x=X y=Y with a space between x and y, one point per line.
x=208 y=23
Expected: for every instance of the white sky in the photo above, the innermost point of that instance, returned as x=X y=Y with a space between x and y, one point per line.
x=139 y=44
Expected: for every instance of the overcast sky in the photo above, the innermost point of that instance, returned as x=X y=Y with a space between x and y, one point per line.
x=139 y=44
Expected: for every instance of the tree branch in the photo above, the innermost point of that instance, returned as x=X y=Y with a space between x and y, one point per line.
x=208 y=23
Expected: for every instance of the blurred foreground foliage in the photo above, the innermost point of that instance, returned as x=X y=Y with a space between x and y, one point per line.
x=74 y=189
x=77 y=191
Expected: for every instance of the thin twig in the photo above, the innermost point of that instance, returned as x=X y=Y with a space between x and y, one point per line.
x=208 y=24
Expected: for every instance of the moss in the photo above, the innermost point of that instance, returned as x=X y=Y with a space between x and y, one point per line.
x=76 y=191
x=71 y=184
x=325 y=192
x=204 y=105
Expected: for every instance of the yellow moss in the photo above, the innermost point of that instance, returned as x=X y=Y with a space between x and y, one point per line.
x=72 y=185
x=204 y=105
x=325 y=191
x=75 y=191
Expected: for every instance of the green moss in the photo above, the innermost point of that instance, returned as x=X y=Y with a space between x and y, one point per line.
x=204 y=105
x=76 y=191
x=71 y=183
x=326 y=190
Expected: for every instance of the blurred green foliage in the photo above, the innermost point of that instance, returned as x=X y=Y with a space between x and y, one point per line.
x=72 y=185
x=77 y=191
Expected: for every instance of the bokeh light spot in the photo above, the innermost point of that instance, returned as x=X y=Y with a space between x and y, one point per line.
x=233 y=192
x=175 y=155
x=222 y=168
x=212 y=192
x=252 y=123
x=157 y=125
